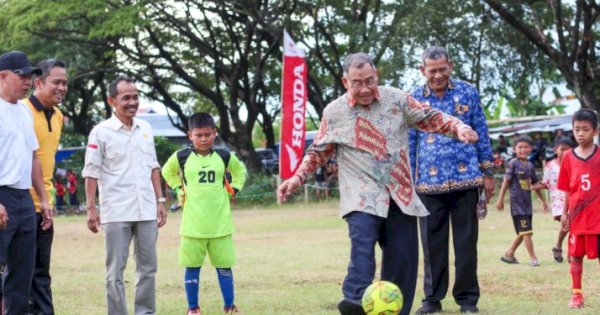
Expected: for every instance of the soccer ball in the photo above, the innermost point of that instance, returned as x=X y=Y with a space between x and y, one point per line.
x=382 y=298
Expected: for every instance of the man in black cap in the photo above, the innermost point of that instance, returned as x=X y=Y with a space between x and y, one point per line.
x=19 y=171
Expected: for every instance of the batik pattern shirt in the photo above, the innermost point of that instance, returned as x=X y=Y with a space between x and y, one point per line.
x=441 y=164
x=371 y=143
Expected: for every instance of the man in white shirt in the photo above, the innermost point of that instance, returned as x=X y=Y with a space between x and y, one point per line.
x=121 y=162
x=19 y=170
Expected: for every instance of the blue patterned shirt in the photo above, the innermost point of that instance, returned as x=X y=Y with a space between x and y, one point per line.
x=441 y=164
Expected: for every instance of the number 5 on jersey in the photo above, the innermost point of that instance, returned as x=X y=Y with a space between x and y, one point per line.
x=585 y=182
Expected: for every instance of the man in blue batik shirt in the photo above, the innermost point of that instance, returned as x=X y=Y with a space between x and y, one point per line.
x=447 y=175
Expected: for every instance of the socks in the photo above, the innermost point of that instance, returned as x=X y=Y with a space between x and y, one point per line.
x=576 y=271
x=192 y=282
x=226 y=283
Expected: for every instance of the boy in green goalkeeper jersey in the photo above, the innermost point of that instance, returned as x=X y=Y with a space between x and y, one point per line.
x=206 y=224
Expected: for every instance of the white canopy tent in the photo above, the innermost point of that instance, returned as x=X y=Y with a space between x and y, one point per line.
x=525 y=127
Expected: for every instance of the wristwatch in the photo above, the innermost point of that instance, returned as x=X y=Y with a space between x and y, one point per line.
x=161 y=200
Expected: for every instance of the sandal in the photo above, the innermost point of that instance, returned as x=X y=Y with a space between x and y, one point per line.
x=557 y=254
x=509 y=260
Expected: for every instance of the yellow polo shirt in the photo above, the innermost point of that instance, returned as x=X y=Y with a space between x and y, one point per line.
x=48 y=127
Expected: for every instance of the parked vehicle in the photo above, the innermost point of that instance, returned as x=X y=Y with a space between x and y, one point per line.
x=269 y=160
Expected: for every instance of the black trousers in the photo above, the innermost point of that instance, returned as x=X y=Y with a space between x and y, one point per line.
x=17 y=249
x=456 y=209
x=41 y=294
x=398 y=238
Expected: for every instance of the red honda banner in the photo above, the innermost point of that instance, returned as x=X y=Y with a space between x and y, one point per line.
x=293 y=108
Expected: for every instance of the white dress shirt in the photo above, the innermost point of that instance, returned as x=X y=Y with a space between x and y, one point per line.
x=17 y=143
x=122 y=160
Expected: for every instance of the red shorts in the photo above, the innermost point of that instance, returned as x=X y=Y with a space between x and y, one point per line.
x=583 y=245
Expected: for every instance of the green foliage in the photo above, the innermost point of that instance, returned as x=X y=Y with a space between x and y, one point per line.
x=164 y=149
x=258 y=190
x=225 y=57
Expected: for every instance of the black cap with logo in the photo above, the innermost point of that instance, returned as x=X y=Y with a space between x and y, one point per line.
x=17 y=62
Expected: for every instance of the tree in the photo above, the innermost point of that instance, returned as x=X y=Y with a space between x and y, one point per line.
x=566 y=33
x=89 y=68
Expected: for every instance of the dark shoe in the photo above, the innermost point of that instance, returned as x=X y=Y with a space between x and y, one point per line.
x=347 y=307
x=231 y=310
x=557 y=254
x=469 y=309
x=509 y=260
x=429 y=308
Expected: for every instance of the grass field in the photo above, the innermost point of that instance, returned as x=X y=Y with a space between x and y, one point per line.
x=292 y=260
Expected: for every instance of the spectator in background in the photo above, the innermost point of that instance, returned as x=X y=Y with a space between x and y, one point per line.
x=539 y=149
x=72 y=188
x=59 y=185
x=558 y=133
x=498 y=161
x=321 y=182
x=503 y=144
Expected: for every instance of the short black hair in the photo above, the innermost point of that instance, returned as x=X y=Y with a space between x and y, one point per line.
x=564 y=140
x=112 y=87
x=523 y=138
x=201 y=120
x=47 y=65
x=586 y=115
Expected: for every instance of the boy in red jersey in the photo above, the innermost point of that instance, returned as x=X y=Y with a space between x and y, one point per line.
x=579 y=177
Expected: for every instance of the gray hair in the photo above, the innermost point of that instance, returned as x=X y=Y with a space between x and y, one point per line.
x=112 y=87
x=357 y=60
x=435 y=53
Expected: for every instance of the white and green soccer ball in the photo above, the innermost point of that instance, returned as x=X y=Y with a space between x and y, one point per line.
x=382 y=298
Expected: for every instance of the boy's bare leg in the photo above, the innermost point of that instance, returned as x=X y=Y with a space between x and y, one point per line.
x=510 y=252
x=529 y=246
x=561 y=237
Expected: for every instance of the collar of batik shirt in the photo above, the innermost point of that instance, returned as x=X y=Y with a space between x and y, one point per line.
x=427 y=91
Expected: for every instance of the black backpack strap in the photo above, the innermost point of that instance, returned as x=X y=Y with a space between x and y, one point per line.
x=182 y=156
x=225 y=156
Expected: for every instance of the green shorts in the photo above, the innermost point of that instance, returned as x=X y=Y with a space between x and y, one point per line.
x=192 y=251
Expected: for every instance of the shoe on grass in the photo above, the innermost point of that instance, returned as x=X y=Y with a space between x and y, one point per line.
x=231 y=310
x=194 y=311
x=509 y=260
x=429 y=308
x=469 y=309
x=534 y=263
x=557 y=254
x=576 y=300
x=347 y=307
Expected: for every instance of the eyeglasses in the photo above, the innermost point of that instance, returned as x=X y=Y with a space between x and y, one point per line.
x=358 y=84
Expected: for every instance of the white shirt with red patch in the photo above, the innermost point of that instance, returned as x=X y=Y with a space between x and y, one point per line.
x=371 y=143
x=122 y=160
x=551 y=171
